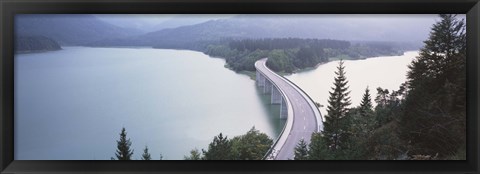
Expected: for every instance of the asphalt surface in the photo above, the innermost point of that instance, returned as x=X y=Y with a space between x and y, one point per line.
x=304 y=120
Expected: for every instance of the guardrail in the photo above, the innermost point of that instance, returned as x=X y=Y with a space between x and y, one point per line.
x=289 y=124
x=316 y=111
x=290 y=120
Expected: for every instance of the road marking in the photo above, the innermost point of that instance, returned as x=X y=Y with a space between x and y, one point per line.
x=304 y=127
x=303 y=118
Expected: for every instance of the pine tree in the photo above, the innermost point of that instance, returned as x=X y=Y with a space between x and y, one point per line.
x=146 y=154
x=435 y=115
x=194 y=155
x=367 y=119
x=318 y=148
x=219 y=149
x=366 y=103
x=361 y=123
x=123 y=147
x=301 y=151
x=336 y=124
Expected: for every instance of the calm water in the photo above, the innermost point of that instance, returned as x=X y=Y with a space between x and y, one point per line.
x=385 y=72
x=72 y=104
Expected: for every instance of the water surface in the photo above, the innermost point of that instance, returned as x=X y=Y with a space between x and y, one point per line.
x=72 y=104
x=387 y=72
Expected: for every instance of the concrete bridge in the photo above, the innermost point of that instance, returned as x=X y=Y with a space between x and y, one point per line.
x=303 y=117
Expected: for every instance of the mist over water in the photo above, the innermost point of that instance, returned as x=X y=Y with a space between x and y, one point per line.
x=71 y=104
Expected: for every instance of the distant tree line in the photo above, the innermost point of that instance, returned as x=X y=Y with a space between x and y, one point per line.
x=289 y=54
x=24 y=44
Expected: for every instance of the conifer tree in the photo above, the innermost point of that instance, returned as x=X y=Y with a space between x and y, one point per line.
x=219 y=149
x=146 y=154
x=194 y=155
x=435 y=115
x=318 y=148
x=367 y=119
x=123 y=147
x=336 y=123
x=366 y=103
x=301 y=151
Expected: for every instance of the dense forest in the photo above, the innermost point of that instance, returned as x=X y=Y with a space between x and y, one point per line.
x=423 y=120
x=28 y=44
x=289 y=54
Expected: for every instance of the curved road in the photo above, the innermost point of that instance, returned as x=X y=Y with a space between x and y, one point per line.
x=304 y=119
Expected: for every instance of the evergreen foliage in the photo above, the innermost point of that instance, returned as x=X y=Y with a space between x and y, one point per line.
x=25 y=44
x=146 y=154
x=435 y=121
x=289 y=54
x=251 y=146
x=318 y=148
x=219 y=149
x=301 y=151
x=336 y=122
x=194 y=155
x=366 y=103
x=123 y=147
x=363 y=117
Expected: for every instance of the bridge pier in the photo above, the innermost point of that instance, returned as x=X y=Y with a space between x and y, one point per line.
x=283 y=110
x=276 y=97
x=260 y=79
x=267 y=88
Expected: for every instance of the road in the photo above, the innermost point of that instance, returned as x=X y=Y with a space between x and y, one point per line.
x=304 y=118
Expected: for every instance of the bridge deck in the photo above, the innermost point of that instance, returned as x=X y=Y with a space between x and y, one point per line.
x=304 y=116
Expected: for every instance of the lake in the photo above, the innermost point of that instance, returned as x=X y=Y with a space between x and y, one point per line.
x=387 y=72
x=72 y=104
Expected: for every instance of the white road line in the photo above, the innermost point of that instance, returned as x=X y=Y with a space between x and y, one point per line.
x=304 y=127
x=303 y=118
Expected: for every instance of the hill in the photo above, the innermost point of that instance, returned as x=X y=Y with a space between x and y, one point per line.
x=34 y=44
x=351 y=28
x=71 y=29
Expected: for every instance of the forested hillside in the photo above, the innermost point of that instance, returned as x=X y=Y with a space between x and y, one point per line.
x=35 y=43
x=289 y=54
x=73 y=29
x=349 y=28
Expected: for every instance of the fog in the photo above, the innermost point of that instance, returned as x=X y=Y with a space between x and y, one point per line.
x=353 y=27
x=155 y=22
x=180 y=29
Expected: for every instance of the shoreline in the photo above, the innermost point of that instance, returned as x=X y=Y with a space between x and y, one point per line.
x=249 y=73
x=36 y=51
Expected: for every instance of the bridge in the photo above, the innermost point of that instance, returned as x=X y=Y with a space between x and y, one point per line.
x=303 y=117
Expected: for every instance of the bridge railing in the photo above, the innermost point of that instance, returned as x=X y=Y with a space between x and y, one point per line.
x=316 y=111
x=310 y=101
x=288 y=124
